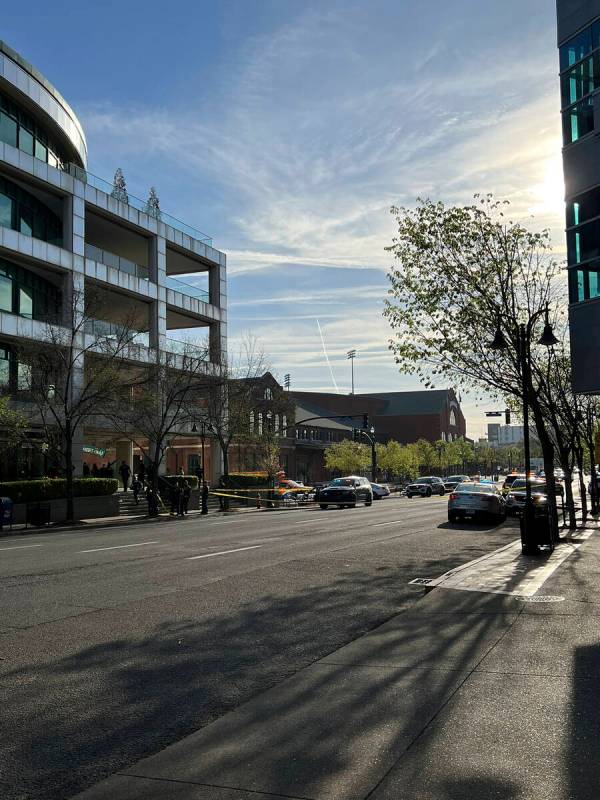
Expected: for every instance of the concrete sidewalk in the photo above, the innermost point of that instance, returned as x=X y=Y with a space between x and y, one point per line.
x=485 y=688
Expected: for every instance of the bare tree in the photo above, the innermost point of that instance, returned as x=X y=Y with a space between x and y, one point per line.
x=162 y=403
x=73 y=373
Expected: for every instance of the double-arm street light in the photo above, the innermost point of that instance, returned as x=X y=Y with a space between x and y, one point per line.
x=370 y=435
x=524 y=333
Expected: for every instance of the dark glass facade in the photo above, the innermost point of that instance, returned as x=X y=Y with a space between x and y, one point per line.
x=580 y=76
x=19 y=129
x=27 y=294
x=23 y=212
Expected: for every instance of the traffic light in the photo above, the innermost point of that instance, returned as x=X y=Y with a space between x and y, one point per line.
x=507 y=416
x=365 y=421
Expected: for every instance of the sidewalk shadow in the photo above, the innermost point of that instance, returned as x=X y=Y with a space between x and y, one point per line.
x=87 y=715
x=583 y=751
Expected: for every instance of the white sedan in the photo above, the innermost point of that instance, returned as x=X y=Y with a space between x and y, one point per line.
x=380 y=490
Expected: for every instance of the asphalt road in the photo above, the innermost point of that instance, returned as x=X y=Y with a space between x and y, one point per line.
x=115 y=643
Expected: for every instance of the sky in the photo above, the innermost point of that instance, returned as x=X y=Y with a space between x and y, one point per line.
x=286 y=129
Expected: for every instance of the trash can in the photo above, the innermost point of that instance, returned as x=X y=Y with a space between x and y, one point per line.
x=6 y=512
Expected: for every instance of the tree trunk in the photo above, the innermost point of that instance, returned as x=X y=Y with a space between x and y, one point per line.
x=593 y=475
x=225 y=452
x=548 y=456
x=569 y=498
x=69 y=472
x=582 y=487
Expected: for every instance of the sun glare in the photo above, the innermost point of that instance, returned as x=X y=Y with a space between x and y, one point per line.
x=548 y=196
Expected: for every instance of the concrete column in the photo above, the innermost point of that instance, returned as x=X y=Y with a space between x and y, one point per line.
x=158 y=310
x=124 y=452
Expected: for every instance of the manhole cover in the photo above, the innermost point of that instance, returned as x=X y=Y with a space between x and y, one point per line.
x=541 y=598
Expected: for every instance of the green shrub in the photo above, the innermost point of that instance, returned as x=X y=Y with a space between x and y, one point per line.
x=56 y=488
x=247 y=480
x=172 y=480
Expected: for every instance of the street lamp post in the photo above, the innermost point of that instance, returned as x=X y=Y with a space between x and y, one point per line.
x=524 y=332
x=202 y=440
x=373 y=455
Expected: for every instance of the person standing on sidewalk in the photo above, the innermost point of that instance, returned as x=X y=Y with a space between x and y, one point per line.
x=204 y=497
x=125 y=473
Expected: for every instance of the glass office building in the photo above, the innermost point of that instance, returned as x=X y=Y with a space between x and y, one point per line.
x=579 y=66
x=65 y=234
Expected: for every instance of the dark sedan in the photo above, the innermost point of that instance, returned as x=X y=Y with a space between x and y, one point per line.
x=515 y=501
x=452 y=481
x=346 y=492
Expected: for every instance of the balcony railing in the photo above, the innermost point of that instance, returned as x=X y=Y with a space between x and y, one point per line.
x=115 y=261
x=141 y=205
x=111 y=330
x=186 y=349
x=187 y=288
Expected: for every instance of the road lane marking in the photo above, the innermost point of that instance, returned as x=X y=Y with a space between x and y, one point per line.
x=224 y=552
x=21 y=547
x=304 y=521
x=117 y=547
x=393 y=522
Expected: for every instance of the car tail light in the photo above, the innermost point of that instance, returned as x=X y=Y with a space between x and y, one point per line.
x=453 y=496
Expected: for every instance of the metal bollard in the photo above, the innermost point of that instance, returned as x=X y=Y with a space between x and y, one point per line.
x=258 y=500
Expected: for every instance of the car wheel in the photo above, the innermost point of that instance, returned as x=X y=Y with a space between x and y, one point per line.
x=368 y=502
x=428 y=493
x=323 y=506
x=409 y=495
x=352 y=505
x=442 y=492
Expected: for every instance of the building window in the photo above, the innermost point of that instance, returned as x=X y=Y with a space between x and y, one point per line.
x=452 y=417
x=17 y=126
x=252 y=422
x=578 y=120
x=578 y=82
x=22 y=292
x=284 y=424
x=260 y=423
x=577 y=48
x=23 y=212
x=268 y=395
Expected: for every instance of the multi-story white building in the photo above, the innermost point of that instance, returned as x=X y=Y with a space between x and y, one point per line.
x=501 y=435
x=64 y=232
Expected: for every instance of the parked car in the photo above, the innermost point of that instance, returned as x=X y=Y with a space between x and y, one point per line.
x=425 y=487
x=515 y=501
x=451 y=482
x=471 y=500
x=380 y=490
x=346 y=492
x=509 y=480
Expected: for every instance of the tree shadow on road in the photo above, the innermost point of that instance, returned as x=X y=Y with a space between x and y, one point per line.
x=84 y=716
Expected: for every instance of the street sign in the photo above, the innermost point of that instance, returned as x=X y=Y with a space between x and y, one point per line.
x=493 y=413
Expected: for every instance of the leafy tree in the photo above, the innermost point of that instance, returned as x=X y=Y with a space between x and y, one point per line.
x=463 y=451
x=426 y=454
x=490 y=273
x=348 y=457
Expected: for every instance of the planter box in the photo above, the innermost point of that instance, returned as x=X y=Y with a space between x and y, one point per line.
x=85 y=508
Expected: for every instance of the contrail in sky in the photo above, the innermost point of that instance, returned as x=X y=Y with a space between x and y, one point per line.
x=326 y=356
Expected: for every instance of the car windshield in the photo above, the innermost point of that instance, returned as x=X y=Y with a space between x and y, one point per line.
x=342 y=482
x=535 y=485
x=425 y=480
x=475 y=487
x=510 y=479
x=455 y=479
